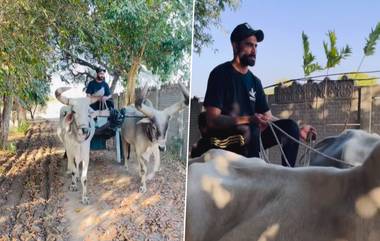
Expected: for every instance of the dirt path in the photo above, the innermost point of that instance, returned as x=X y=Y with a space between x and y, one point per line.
x=35 y=203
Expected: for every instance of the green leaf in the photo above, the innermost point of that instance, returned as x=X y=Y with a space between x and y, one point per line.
x=332 y=54
x=308 y=57
x=369 y=48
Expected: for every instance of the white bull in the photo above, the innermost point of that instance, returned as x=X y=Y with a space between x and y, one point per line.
x=230 y=197
x=351 y=146
x=145 y=128
x=76 y=129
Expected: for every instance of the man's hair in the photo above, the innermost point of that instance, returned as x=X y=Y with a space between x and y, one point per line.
x=237 y=49
x=98 y=70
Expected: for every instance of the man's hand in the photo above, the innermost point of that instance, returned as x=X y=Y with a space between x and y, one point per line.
x=261 y=120
x=104 y=98
x=306 y=130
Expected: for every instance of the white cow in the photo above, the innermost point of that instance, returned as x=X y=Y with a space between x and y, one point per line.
x=76 y=129
x=351 y=146
x=230 y=197
x=145 y=128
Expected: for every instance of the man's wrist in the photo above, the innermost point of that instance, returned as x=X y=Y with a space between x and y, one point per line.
x=242 y=120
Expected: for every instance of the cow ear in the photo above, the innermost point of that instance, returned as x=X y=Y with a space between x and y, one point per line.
x=144 y=120
x=69 y=118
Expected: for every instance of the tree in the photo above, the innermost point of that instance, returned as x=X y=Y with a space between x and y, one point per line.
x=333 y=55
x=309 y=66
x=206 y=15
x=26 y=28
x=37 y=39
x=148 y=33
x=23 y=46
x=35 y=95
x=369 y=48
x=122 y=36
x=334 y=58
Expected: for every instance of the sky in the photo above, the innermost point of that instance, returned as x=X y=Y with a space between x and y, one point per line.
x=280 y=55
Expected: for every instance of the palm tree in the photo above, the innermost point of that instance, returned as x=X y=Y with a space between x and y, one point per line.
x=332 y=54
x=309 y=65
x=369 y=48
x=334 y=58
x=308 y=58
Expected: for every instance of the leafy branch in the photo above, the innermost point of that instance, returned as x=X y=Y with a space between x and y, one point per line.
x=334 y=56
x=309 y=66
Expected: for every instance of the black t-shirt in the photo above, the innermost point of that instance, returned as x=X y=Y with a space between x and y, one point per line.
x=94 y=86
x=235 y=93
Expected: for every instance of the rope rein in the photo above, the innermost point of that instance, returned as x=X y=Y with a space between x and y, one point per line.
x=263 y=153
x=278 y=141
x=309 y=148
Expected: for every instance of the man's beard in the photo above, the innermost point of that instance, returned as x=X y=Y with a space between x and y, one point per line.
x=248 y=60
x=101 y=78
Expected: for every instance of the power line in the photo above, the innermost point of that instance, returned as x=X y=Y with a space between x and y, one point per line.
x=312 y=78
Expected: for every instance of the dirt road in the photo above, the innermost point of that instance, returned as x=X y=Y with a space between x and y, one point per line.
x=35 y=203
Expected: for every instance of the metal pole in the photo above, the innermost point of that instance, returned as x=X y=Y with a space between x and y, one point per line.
x=117 y=143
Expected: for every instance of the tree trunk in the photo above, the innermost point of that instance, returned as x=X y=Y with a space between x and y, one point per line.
x=1 y=119
x=20 y=112
x=5 y=119
x=115 y=79
x=131 y=84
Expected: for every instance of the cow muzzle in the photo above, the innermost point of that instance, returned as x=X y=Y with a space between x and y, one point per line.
x=162 y=148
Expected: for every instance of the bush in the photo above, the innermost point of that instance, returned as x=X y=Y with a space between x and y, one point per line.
x=11 y=148
x=23 y=127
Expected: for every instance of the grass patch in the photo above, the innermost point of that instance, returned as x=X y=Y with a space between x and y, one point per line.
x=23 y=127
x=16 y=133
x=11 y=148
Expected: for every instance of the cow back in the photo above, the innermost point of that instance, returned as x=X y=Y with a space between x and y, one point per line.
x=351 y=146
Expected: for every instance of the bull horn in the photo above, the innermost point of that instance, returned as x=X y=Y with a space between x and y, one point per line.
x=185 y=93
x=58 y=94
x=146 y=110
x=144 y=91
x=176 y=107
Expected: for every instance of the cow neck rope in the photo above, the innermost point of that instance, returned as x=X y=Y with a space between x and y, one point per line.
x=74 y=126
x=271 y=125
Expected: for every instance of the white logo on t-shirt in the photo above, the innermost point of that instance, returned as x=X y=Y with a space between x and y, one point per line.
x=252 y=95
